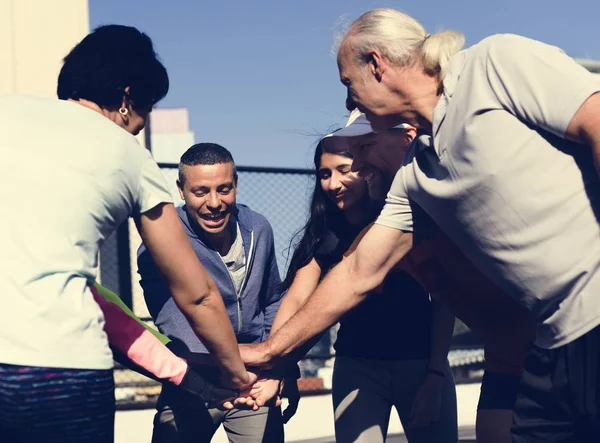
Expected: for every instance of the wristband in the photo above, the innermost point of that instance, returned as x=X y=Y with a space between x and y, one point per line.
x=436 y=372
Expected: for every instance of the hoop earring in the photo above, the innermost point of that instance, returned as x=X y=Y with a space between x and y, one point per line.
x=123 y=111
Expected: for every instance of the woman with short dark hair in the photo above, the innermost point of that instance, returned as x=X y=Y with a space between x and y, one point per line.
x=72 y=172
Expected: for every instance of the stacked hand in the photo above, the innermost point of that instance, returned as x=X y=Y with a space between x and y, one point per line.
x=266 y=389
x=269 y=392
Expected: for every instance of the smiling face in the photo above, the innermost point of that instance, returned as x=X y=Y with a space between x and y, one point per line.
x=342 y=186
x=209 y=192
x=377 y=158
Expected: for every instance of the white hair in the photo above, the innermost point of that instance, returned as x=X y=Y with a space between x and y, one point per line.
x=401 y=39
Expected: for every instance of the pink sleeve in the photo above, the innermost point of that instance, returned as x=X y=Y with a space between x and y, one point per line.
x=143 y=348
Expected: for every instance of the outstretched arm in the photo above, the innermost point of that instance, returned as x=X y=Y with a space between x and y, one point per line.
x=305 y=282
x=343 y=288
x=193 y=290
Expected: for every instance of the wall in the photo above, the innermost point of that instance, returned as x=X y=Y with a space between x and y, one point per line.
x=34 y=37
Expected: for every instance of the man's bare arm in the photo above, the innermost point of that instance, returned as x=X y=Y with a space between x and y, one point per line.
x=585 y=126
x=193 y=290
x=342 y=289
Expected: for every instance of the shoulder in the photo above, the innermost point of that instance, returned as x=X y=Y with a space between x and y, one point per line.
x=498 y=42
x=61 y=119
x=92 y=124
x=508 y=48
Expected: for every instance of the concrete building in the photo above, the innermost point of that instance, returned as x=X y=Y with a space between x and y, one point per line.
x=34 y=37
x=170 y=134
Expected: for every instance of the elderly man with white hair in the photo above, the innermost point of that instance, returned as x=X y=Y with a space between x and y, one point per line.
x=507 y=172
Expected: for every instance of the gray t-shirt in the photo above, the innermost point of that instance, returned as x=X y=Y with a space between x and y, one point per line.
x=235 y=260
x=499 y=178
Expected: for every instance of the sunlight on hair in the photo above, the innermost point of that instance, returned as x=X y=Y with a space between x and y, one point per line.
x=401 y=39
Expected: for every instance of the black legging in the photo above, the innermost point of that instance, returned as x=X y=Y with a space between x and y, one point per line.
x=53 y=405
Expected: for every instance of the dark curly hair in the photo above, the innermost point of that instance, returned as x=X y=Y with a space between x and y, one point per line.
x=108 y=60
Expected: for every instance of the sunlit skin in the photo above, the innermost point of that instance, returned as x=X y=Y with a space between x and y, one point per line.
x=388 y=95
x=377 y=157
x=209 y=192
x=342 y=186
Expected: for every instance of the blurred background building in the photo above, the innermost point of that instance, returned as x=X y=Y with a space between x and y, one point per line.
x=34 y=37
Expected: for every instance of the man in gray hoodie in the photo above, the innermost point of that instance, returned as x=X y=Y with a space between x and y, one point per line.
x=236 y=246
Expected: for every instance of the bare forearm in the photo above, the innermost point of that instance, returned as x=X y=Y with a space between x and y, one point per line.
x=192 y=289
x=288 y=307
x=304 y=284
x=343 y=288
x=361 y=271
x=206 y=318
x=441 y=336
x=320 y=311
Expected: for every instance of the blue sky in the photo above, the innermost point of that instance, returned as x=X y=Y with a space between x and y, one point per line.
x=258 y=76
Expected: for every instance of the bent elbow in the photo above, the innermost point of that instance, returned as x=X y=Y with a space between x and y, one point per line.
x=191 y=298
x=365 y=280
x=203 y=296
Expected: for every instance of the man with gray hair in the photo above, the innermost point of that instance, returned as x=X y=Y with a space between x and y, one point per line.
x=508 y=174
